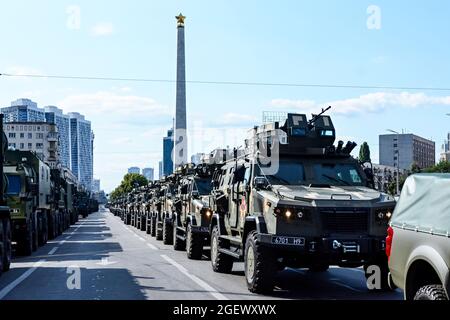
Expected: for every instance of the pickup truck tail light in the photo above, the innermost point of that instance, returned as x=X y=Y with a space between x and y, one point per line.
x=389 y=238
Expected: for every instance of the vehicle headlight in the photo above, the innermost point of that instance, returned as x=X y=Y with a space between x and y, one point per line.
x=383 y=214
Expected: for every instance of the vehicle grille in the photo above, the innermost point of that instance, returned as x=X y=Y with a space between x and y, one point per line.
x=345 y=220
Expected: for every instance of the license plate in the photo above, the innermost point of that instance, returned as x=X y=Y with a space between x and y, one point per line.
x=293 y=241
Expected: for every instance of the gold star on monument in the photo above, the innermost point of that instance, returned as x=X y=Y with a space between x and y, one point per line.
x=180 y=19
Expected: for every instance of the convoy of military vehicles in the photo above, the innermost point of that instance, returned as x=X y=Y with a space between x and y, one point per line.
x=289 y=198
x=37 y=203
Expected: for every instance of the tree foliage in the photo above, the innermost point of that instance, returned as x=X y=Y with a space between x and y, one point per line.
x=441 y=167
x=364 y=153
x=129 y=182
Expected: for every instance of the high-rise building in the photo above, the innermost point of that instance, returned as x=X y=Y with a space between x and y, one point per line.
x=96 y=185
x=160 y=169
x=403 y=150
x=55 y=115
x=445 y=154
x=180 y=135
x=167 y=153
x=23 y=110
x=39 y=137
x=81 y=153
x=149 y=173
x=135 y=170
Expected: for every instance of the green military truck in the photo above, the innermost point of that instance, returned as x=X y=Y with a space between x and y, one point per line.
x=5 y=217
x=293 y=199
x=29 y=197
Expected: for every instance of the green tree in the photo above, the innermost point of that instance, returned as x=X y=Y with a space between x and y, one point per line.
x=364 y=153
x=129 y=182
x=441 y=167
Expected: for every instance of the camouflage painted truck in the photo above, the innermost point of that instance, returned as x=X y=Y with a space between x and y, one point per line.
x=294 y=199
x=29 y=198
x=5 y=217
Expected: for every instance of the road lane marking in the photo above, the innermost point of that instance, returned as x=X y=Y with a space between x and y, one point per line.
x=152 y=246
x=51 y=252
x=196 y=279
x=16 y=282
x=142 y=239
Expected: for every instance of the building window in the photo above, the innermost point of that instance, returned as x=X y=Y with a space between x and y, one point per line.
x=39 y=146
x=12 y=135
x=22 y=146
x=22 y=135
x=39 y=135
x=30 y=135
x=30 y=145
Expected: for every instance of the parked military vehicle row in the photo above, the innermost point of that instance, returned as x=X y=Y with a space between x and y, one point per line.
x=37 y=203
x=290 y=198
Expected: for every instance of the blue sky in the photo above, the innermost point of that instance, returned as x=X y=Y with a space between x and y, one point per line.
x=320 y=42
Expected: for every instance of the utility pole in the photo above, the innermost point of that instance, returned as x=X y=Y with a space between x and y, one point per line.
x=397 y=152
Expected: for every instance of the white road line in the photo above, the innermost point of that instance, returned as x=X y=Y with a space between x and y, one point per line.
x=152 y=246
x=196 y=279
x=52 y=251
x=16 y=282
x=142 y=239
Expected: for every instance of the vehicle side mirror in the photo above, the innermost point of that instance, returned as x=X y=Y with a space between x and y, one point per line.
x=260 y=182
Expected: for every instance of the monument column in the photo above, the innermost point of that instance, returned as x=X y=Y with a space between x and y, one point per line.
x=180 y=130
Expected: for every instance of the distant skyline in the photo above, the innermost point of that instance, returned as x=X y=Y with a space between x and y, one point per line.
x=381 y=43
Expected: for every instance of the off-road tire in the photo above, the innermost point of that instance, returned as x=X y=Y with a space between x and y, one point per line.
x=153 y=227
x=178 y=244
x=194 y=244
x=431 y=292
x=220 y=262
x=25 y=247
x=143 y=223
x=148 y=225
x=168 y=232
x=158 y=231
x=263 y=268
x=35 y=233
x=7 y=244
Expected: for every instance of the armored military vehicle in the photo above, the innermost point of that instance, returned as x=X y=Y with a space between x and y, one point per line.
x=154 y=208
x=29 y=197
x=170 y=207
x=5 y=217
x=295 y=200
x=193 y=220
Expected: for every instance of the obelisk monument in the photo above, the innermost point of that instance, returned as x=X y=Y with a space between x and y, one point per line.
x=180 y=134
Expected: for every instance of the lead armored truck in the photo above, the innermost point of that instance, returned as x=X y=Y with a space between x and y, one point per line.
x=295 y=200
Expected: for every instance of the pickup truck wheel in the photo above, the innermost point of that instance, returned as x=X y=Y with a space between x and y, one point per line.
x=7 y=244
x=220 y=262
x=168 y=232
x=194 y=244
x=260 y=266
x=431 y=292
x=178 y=244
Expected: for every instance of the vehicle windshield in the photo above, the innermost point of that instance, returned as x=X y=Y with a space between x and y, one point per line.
x=14 y=185
x=337 y=174
x=203 y=186
x=289 y=172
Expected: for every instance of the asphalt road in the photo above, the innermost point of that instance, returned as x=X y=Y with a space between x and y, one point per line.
x=101 y=258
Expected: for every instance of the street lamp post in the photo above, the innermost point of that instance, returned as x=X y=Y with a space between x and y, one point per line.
x=398 y=159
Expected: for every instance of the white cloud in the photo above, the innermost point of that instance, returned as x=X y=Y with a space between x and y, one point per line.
x=372 y=102
x=122 y=141
x=102 y=29
x=109 y=103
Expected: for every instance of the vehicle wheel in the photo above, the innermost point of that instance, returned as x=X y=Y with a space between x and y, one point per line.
x=35 y=233
x=320 y=267
x=382 y=263
x=220 y=262
x=158 y=230
x=259 y=265
x=168 y=232
x=148 y=225
x=178 y=244
x=143 y=223
x=7 y=244
x=153 y=226
x=431 y=292
x=25 y=247
x=194 y=244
